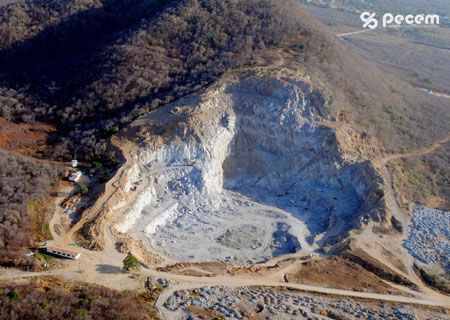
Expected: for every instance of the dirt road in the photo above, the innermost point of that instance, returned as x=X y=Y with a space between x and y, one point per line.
x=82 y=272
x=436 y=94
x=343 y=35
x=417 y=152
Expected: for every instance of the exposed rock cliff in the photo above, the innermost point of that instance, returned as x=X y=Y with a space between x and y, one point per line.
x=249 y=170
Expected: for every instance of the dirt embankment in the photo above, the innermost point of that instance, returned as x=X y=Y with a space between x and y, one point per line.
x=341 y=273
x=371 y=265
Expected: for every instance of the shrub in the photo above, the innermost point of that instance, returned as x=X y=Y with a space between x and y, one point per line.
x=82 y=187
x=97 y=165
x=436 y=281
x=14 y=295
x=131 y=263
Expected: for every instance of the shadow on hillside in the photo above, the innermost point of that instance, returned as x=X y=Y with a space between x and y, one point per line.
x=71 y=54
x=297 y=170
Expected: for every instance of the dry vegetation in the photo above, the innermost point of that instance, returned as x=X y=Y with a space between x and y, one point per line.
x=425 y=179
x=24 y=185
x=377 y=103
x=406 y=52
x=54 y=298
x=129 y=57
x=26 y=139
x=395 y=112
x=397 y=6
x=403 y=51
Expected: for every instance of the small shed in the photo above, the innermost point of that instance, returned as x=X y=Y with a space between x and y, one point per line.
x=74 y=163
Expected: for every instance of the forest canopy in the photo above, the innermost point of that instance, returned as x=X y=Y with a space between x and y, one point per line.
x=91 y=67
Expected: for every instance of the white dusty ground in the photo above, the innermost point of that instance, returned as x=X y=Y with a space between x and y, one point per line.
x=245 y=172
x=429 y=237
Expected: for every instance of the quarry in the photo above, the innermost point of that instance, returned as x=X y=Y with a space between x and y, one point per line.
x=249 y=170
x=255 y=159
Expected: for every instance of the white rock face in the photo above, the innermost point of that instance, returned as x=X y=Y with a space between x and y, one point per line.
x=243 y=173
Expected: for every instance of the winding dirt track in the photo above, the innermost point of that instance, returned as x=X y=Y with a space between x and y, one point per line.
x=418 y=152
x=181 y=282
x=390 y=197
x=110 y=188
x=380 y=164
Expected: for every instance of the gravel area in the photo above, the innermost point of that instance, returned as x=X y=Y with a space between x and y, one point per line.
x=266 y=303
x=429 y=237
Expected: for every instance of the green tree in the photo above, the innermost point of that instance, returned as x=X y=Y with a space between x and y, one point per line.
x=98 y=165
x=82 y=187
x=15 y=295
x=131 y=262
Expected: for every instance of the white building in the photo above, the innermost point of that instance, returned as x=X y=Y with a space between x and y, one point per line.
x=75 y=177
x=74 y=163
x=62 y=252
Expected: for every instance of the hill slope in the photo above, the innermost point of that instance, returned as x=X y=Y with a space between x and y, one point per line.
x=72 y=62
x=93 y=66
